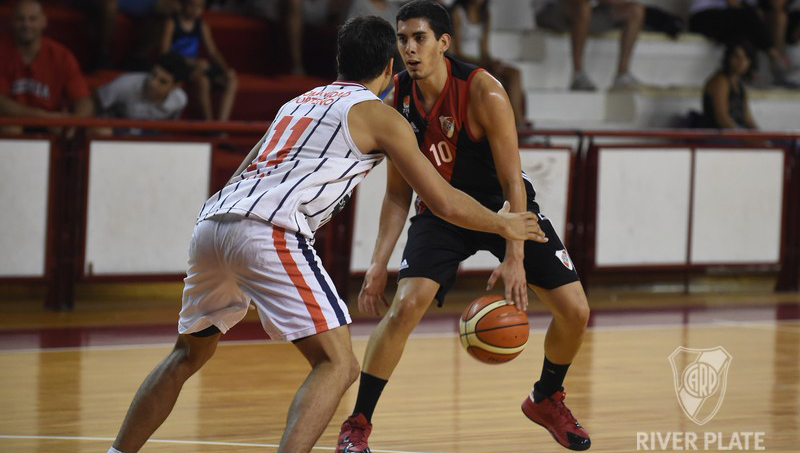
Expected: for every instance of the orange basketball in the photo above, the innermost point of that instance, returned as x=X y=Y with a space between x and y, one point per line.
x=492 y=330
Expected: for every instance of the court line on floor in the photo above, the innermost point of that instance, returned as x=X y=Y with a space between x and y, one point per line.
x=185 y=442
x=716 y=323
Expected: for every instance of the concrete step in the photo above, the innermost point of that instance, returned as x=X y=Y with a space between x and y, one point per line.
x=545 y=59
x=773 y=109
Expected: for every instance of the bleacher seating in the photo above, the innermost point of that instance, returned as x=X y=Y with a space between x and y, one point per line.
x=673 y=72
x=254 y=47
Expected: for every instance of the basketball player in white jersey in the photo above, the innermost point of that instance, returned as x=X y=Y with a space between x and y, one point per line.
x=253 y=240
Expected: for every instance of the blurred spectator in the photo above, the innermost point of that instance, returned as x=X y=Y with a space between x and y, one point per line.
x=294 y=14
x=657 y=19
x=731 y=21
x=470 y=43
x=584 y=17
x=793 y=27
x=185 y=34
x=384 y=9
x=777 y=14
x=102 y=14
x=725 y=104
x=146 y=96
x=39 y=77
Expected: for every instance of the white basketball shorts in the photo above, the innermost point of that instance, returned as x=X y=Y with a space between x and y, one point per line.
x=235 y=260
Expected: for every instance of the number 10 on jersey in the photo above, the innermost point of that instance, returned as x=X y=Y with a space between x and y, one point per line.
x=441 y=153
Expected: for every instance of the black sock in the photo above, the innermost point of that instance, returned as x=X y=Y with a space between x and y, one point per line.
x=369 y=390
x=551 y=381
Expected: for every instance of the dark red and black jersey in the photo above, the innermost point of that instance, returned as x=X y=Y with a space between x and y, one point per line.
x=444 y=137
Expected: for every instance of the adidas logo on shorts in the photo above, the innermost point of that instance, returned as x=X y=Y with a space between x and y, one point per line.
x=403 y=265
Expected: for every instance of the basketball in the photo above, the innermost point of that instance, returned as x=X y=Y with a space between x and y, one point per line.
x=492 y=330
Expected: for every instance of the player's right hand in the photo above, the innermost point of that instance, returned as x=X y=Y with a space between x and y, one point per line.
x=371 y=295
x=521 y=226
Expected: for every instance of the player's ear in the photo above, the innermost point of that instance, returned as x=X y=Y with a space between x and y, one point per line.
x=444 y=41
x=388 y=70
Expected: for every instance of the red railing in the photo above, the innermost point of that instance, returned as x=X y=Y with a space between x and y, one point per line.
x=68 y=179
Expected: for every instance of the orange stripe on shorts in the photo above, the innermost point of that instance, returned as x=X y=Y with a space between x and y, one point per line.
x=299 y=282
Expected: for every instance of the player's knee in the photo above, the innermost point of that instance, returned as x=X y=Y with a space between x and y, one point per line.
x=352 y=369
x=345 y=365
x=190 y=358
x=407 y=310
x=575 y=313
x=578 y=315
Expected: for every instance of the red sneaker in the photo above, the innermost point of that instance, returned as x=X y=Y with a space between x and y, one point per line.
x=354 y=434
x=553 y=415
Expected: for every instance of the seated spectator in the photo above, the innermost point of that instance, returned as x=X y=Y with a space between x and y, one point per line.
x=185 y=34
x=725 y=103
x=583 y=17
x=730 y=21
x=143 y=96
x=470 y=43
x=39 y=77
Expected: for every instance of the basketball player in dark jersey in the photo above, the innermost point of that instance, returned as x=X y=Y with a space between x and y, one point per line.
x=465 y=127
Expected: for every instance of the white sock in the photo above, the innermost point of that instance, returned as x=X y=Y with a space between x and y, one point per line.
x=113 y=450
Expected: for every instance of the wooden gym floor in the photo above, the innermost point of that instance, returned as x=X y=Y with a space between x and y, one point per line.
x=66 y=379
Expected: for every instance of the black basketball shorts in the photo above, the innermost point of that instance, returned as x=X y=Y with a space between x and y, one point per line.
x=435 y=248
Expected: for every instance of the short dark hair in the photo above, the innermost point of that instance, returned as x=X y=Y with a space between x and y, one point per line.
x=437 y=16
x=174 y=64
x=364 y=47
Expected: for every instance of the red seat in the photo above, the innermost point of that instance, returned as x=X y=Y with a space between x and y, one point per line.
x=259 y=98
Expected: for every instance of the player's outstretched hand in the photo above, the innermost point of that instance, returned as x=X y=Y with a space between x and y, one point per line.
x=512 y=271
x=521 y=225
x=371 y=295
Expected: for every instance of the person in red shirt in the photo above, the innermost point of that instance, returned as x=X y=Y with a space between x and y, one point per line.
x=39 y=77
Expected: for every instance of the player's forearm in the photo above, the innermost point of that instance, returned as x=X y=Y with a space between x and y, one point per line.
x=514 y=192
x=393 y=218
x=462 y=210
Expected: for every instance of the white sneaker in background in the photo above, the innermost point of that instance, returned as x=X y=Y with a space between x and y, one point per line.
x=626 y=82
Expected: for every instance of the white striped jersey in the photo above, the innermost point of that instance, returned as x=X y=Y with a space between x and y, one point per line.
x=307 y=166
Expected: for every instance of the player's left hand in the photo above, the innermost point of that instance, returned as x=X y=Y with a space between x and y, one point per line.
x=512 y=272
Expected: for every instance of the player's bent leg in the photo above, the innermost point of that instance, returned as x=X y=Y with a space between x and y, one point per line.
x=334 y=368
x=545 y=404
x=157 y=395
x=570 y=310
x=414 y=296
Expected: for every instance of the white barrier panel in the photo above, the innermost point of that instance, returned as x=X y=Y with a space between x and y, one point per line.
x=548 y=168
x=143 y=201
x=24 y=182
x=738 y=206
x=642 y=206
x=369 y=198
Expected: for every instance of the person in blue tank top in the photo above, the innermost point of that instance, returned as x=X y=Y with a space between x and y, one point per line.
x=187 y=35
